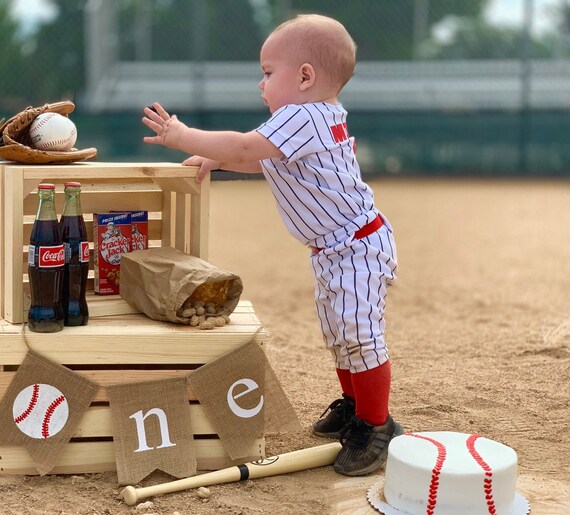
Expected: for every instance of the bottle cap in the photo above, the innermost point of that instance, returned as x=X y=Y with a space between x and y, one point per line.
x=72 y=185
x=45 y=186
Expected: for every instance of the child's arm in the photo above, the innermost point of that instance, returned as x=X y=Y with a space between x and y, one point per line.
x=223 y=146
x=207 y=165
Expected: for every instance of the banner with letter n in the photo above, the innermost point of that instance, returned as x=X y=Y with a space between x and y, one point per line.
x=152 y=429
x=42 y=408
x=242 y=398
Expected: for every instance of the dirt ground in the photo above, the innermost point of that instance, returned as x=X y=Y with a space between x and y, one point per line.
x=478 y=329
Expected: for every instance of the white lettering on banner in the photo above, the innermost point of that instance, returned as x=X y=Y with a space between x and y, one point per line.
x=141 y=433
x=238 y=410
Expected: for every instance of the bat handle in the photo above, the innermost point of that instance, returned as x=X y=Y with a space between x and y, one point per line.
x=130 y=495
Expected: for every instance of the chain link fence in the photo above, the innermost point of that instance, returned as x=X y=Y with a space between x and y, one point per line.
x=442 y=86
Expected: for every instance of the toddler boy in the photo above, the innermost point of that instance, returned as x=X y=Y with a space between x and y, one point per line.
x=305 y=152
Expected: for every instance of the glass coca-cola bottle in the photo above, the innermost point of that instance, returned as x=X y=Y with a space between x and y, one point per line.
x=45 y=266
x=74 y=235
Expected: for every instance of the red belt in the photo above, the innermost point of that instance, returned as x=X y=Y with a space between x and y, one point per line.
x=367 y=230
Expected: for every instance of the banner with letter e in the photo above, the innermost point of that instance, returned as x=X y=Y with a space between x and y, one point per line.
x=242 y=398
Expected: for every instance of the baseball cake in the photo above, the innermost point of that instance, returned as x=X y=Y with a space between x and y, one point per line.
x=448 y=473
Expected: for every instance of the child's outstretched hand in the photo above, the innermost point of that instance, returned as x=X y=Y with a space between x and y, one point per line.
x=168 y=128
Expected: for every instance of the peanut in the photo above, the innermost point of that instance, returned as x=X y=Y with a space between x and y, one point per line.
x=207 y=324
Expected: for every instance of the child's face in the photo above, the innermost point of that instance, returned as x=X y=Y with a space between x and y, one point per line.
x=281 y=79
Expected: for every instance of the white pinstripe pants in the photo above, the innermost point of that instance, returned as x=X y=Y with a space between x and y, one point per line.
x=351 y=286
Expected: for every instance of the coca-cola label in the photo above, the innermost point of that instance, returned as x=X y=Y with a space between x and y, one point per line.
x=84 y=251
x=51 y=257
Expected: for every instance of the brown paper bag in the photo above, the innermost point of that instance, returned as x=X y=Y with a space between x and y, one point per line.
x=164 y=282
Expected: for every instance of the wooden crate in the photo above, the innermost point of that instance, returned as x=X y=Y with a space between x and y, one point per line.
x=178 y=212
x=118 y=344
x=123 y=349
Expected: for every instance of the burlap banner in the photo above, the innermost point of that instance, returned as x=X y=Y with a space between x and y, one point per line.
x=42 y=407
x=242 y=398
x=239 y=391
x=152 y=429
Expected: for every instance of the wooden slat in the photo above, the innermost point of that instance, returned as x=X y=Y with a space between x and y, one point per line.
x=13 y=242
x=93 y=457
x=111 y=347
x=99 y=170
x=182 y=229
x=105 y=305
x=2 y=223
x=97 y=422
x=106 y=378
x=178 y=185
x=200 y=222
x=118 y=199
x=110 y=305
x=154 y=228
x=168 y=223
x=134 y=339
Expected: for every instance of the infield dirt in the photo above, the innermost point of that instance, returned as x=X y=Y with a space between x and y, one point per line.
x=478 y=332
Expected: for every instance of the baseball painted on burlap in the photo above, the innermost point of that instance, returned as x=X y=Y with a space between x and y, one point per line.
x=53 y=131
x=40 y=411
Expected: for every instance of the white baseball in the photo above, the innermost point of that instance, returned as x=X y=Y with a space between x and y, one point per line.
x=40 y=411
x=53 y=131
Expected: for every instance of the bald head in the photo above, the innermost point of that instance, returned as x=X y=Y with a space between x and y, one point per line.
x=322 y=42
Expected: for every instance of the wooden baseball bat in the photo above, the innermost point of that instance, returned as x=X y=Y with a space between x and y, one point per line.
x=294 y=461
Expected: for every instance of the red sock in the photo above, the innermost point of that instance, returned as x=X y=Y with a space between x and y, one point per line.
x=372 y=391
x=345 y=378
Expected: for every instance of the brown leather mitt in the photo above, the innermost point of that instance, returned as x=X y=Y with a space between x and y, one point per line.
x=15 y=144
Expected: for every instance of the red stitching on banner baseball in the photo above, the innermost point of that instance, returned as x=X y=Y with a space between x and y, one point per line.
x=49 y=413
x=434 y=483
x=488 y=481
x=31 y=406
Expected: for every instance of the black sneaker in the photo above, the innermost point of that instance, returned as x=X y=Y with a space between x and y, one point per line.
x=341 y=413
x=365 y=447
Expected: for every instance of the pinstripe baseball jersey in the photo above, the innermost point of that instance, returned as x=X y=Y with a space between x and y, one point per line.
x=317 y=184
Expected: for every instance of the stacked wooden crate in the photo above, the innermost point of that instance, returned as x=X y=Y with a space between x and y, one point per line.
x=118 y=344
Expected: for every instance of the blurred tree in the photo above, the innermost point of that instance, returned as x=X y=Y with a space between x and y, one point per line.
x=14 y=82
x=562 y=17
x=386 y=29
x=227 y=28
x=57 y=69
x=477 y=39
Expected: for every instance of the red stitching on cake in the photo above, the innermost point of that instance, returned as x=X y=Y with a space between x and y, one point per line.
x=31 y=406
x=49 y=413
x=488 y=481
x=434 y=483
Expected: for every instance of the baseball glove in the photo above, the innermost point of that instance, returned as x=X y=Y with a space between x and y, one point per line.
x=15 y=144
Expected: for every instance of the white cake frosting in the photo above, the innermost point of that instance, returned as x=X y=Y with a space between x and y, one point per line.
x=447 y=473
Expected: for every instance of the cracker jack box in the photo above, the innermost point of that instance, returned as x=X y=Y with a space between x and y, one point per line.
x=112 y=237
x=139 y=223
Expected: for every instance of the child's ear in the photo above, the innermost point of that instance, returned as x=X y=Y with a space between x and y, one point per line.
x=307 y=76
